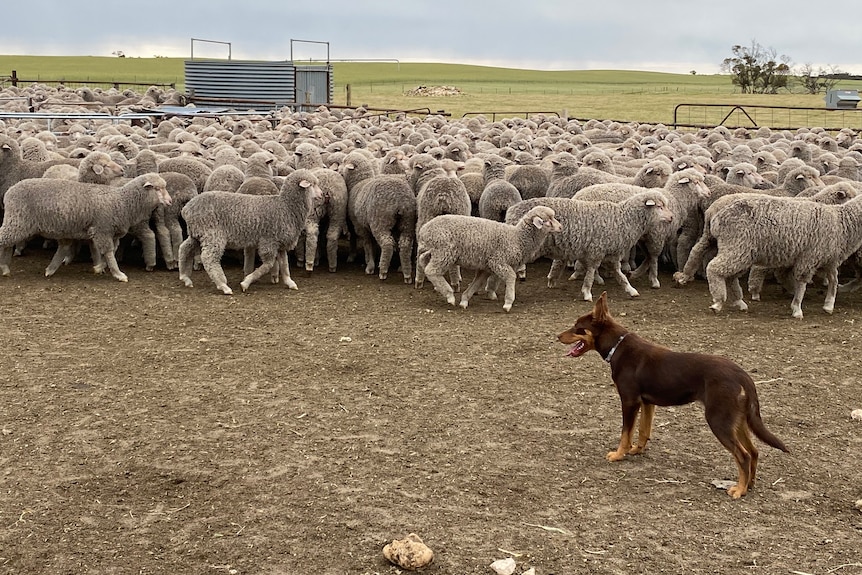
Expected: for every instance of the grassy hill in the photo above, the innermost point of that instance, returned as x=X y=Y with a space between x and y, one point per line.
x=607 y=94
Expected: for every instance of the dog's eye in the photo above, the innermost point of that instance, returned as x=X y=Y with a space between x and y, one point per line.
x=580 y=331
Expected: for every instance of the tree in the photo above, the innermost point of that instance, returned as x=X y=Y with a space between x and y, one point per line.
x=757 y=70
x=822 y=80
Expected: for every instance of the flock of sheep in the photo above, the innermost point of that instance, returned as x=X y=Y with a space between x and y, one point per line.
x=442 y=195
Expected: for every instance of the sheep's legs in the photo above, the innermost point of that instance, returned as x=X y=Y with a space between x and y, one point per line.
x=211 y=255
x=831 y=289
x=147 y=237
x=61 y=256
x=798 y=294
x=332 y=235
x=434 y=272
x=478 y=283
x=267 y=258
x=387 y=249
x=283 y=264
x=312 y=233
x=106 y=248
x=509 y=276
x=405 y=254
x=185 y=260
x=623 y=280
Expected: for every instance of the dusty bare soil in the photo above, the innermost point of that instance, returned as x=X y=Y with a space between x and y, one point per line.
x=152 y=428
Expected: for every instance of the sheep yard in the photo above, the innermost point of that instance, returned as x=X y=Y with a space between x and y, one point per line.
x=152 y=428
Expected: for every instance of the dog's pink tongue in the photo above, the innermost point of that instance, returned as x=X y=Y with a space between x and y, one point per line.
x=577 y=350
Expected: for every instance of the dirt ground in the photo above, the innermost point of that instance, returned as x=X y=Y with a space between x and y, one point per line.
x=152 y=428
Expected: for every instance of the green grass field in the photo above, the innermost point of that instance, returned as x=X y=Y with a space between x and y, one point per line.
x=500 y=92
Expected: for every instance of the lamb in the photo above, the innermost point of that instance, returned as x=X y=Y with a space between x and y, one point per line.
x=498 y=194
x=773 y=232
x=488 y=246
x=438 y=194
x=68 y=211
x=380 y=208
x=219 y=220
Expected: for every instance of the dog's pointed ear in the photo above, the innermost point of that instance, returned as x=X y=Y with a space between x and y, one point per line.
x=600 y=309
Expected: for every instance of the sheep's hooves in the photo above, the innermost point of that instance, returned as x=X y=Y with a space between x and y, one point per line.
x=634 y=294
x=122 y=278
x=716 y=307
x=244 y=286
x=332 y=270
x=507 y=307
x=226 y=290
x=292 y=285
x=450 y=300
x=187 y=282
x=309 y=268
x=829 y=310
x=464 y=304
x=655 y=285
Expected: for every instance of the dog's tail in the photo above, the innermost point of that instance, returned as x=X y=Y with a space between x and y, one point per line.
x=755 y=423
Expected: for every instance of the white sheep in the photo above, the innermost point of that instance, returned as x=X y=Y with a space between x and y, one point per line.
x=487 y=246
x=219 y=220
x=774 y=232
x=68 y=211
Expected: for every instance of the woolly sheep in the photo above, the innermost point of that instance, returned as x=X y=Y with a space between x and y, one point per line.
x=438 y=193
x=329 y=212
x=775 y=232
x=603 y=231
x=498 y=194
x=834 y=194
x=197 y=170
x=220 y=220
x=225 y=178
x=380 y=208
x=685 y=190
x=14 y=168
x=653 y=174
x=488 y=246
x=68 y=211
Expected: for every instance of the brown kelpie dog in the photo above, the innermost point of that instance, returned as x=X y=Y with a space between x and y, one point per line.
x=646 y=375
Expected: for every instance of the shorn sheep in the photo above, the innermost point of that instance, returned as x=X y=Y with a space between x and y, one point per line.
x=484 y=245
x=68 y=211
x=220 y=220
x=773 y=232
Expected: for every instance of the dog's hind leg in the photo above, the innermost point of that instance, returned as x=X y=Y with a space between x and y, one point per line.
x=630 y=414
x=644 y=429
x=744 y=437
x=725 y=424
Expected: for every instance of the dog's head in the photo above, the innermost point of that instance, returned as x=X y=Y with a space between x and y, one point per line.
x=583 y=335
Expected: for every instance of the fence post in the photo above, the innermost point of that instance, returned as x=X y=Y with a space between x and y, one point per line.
x=14 y=78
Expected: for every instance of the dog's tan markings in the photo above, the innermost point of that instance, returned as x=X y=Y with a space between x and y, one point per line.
x=644 y=429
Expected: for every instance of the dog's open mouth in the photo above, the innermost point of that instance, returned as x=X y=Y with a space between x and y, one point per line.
x=578 y=349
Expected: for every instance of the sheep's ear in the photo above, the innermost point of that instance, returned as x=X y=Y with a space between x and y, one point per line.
x=538 y=222
x=304 y=183
x=685 y=180
x=800 y=176
x=649 y=203
x=98 y=169
x=841 y=194
x=681 y=166
x=148 y=184
x=7 y=147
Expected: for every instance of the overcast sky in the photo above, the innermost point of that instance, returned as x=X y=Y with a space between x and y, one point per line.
x=658 y=35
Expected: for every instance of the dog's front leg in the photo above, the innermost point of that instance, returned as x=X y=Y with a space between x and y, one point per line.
x=630 y=414
x=644 y=429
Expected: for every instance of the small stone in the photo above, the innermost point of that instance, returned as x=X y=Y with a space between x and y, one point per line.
x=345 y=339
x=409 y=553
x=859 y=504
x=856 y=414
x=503 y=566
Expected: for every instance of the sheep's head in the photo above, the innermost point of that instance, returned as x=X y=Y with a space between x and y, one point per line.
x=156 y=183
x=542 y=218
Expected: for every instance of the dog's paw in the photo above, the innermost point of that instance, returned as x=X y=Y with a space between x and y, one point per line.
x=737 y=491
x=637 y=449
x=615 y=456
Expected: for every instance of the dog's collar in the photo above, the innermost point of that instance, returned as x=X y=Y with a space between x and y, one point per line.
x=614 y=348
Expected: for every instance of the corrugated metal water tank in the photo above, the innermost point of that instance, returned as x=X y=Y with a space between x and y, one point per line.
x=267 y=84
